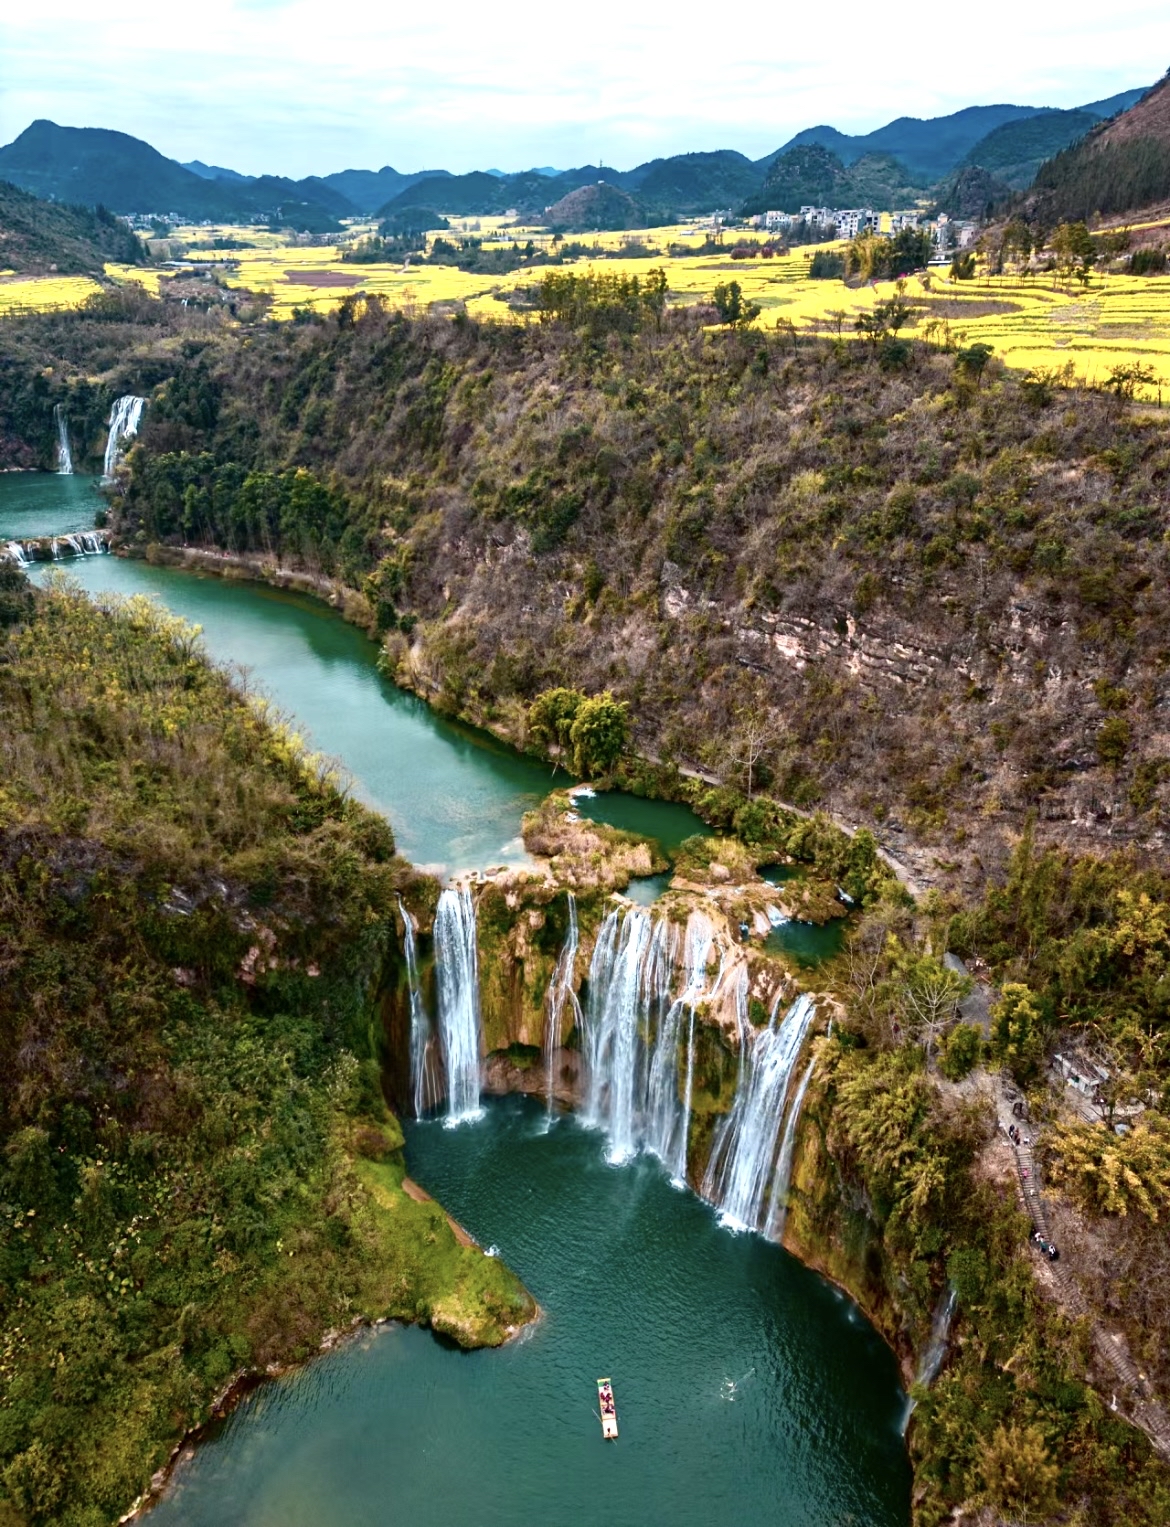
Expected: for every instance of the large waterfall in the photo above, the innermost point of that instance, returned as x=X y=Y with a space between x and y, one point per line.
x=424 y=1081
x=124 y=419
x=560 y=992
x=744 y=1156
x=64 y=455
x=633 y=1028
x=782 y=1177
x=457 y=974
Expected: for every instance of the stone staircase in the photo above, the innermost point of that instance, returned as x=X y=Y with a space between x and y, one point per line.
x=1144 y=1409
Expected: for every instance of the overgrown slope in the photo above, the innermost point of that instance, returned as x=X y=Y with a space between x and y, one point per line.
x=198 y=1174
x=937 y=588
x=38 y=236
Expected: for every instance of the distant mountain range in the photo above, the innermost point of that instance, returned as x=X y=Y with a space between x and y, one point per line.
x=896 y=163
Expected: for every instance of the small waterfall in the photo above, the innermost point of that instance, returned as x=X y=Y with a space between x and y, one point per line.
x=424 y=1081
x=16 y=554
x=611 y=1026
x=744 y=1155
x=457 y=971
x=931 y=1361
x=560 y=991
x=64 y=455
x=124 y=419
x=778 y=1204
x=667 y=1126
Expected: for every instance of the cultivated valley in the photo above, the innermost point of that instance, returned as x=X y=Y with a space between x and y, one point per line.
x=608 y=818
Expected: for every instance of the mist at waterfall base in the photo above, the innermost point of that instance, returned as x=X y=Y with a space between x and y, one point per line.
x=748 y=1390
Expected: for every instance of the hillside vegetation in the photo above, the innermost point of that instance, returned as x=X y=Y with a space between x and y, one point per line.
x=938 y=581
x=1119 y=167
x=38 y=236
x=198 y=1175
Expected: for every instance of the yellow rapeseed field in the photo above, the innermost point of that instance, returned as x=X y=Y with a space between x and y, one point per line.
x=1029 y=321
x=43 y=294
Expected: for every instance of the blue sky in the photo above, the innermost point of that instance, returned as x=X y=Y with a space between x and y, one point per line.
x=303 y=87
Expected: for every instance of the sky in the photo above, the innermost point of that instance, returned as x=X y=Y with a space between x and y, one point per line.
x=300 y=87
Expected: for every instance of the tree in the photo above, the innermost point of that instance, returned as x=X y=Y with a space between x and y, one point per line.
x=964 y=1045
x=757 y=732
x=599 y=733
x=1019 y=1476
x=971 y=362
x=931 y=994
x=552 y=713
x=963 y=266
x=1075 y=252
x=1016 y=1030
x=733 y=309
x=1123 y=381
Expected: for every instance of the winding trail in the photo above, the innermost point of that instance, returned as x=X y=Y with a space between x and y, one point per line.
x=1144 y=1409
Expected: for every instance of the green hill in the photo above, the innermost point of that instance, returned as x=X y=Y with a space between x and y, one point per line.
x=593 y=208
x=1121 y=166
x=92 y=166
x=38 y=236
x=1016 y=150
x=811 y=174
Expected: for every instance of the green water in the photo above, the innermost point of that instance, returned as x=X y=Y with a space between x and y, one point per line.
x=46 y=504
x=455 y=795
x=664 y=821
x=747 y=1389
x=808 y=944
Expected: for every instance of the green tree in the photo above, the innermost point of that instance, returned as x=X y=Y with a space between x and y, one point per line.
x=1075 y=252
x=972 y=362
x=1016 y=1030
x=1018 y=1474
x=961 y=1051
x=599 y=733
x=733 y=308
x=552 y=714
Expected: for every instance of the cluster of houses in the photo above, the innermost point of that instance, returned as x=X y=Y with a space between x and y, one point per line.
x=849 y=222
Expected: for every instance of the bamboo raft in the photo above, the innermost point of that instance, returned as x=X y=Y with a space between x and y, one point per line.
x=609 y=1428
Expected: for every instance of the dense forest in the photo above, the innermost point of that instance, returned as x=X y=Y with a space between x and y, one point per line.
x=198 y=1174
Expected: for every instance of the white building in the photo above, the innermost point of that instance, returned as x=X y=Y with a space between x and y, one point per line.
x=851 y=221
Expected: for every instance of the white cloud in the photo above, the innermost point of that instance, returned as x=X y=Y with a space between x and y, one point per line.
x=300 y=87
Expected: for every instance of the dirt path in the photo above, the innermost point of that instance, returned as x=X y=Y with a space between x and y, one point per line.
x=421 y=1196
x=1143 y=1407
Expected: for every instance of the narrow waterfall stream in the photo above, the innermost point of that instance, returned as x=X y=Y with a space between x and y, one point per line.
x=561 y=992
x=64 y=454
x=425 y=1085
x=743 y=1158
x=457 y=976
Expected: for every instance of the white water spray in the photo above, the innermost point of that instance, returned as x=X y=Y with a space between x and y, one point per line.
x=457 y=973
x=64 y=455
x=744 y=1155
x=560 y=992
x=931 y=1361
x=424 y=1081
x=124 y=420
x=778 y=1204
